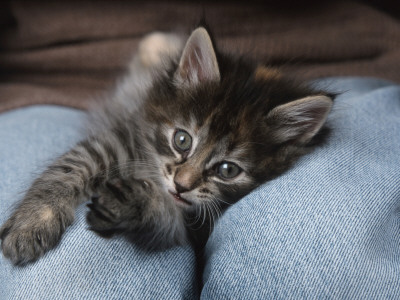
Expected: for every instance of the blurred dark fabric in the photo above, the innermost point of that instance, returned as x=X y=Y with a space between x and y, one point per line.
x=69 y=52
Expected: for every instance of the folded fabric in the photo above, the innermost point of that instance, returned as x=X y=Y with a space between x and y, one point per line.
x=329 y=228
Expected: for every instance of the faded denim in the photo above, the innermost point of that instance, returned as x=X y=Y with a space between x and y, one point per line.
x=330 y=227
x=327 y=229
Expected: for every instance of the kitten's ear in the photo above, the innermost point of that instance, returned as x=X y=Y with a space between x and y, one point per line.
x=299 y=120
x=198 y=63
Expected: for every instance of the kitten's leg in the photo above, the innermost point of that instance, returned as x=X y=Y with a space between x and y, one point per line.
x=49 y=205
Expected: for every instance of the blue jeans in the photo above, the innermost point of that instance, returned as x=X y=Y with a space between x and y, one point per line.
x=328 y=229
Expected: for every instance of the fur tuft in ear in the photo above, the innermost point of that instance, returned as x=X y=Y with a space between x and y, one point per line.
x=300 y=120
x=198 y=63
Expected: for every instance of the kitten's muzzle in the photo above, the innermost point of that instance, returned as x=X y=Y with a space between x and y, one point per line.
x=179 y=198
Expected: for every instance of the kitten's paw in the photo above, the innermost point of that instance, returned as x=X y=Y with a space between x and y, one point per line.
x=27 y=235
x=117 y=206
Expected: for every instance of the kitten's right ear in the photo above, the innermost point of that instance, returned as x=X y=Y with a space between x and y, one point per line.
x=300 y=120
x=198 y=63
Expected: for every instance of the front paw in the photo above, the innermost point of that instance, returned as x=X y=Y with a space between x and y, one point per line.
x=29 y=233
x=118 y=206
x=104 y=216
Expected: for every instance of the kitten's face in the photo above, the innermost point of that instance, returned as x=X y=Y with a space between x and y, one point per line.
x=221 y=128
x=202 y=169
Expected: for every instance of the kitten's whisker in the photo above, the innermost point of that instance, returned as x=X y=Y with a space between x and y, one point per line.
x=196 y=217
x=217 y=211
x=199 y=214
x=154 y=176
x=217 y=208
x=205 y=213
x=201 y=211
x=218 y=200
x=211 y=220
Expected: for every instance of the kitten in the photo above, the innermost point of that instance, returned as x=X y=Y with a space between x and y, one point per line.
x=188 y=132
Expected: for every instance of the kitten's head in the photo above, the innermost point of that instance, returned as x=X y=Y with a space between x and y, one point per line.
x=222 y=125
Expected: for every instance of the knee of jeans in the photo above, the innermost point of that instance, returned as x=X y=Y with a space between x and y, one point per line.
x=298 y=246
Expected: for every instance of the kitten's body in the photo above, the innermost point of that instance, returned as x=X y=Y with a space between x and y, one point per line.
x=187 y=132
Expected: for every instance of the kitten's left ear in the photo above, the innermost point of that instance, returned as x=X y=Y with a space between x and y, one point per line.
x=299 y=120
x=198 y=63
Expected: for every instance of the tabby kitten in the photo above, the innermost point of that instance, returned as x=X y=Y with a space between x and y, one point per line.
x=187 y=132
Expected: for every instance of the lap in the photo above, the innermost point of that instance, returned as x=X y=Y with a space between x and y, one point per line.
x=328 y=228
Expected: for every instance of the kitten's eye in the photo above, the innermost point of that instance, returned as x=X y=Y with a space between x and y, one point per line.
x=182 y=140
x=228 y=170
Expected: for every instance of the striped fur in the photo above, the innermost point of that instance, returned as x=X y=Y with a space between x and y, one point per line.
x=238 y=116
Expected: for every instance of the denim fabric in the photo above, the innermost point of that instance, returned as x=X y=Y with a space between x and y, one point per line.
x=327 y=229
x=330 y=227
x=83 y=266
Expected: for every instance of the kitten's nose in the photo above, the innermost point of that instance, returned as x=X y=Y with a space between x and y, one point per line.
x=186 y=178
x=180 y=188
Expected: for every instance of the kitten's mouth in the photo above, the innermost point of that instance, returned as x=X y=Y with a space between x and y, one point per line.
x=180 y=199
